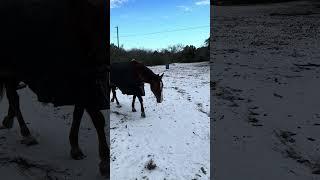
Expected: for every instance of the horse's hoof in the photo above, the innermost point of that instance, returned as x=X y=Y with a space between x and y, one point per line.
x=143 y=115
x=134 y=110
x=77 y=154
x=119 y=106
x=7 y=123
x=29 y=141
x=104 y=168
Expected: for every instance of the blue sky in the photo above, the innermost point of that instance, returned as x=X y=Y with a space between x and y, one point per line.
x=157 y=24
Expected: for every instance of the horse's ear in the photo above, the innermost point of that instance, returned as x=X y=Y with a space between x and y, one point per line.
x=161 y=75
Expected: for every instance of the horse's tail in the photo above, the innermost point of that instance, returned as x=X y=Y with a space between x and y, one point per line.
x=2 y=88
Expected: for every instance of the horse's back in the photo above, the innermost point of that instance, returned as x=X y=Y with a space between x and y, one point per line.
x=124 y=76
x=57 y=47
x=51 y=33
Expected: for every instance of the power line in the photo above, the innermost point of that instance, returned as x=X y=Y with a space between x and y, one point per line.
x=151 y=38
x=166 y=31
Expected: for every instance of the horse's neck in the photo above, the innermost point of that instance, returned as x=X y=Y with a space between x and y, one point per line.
x=145 y=74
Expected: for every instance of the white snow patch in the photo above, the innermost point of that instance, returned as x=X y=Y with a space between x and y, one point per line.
x=175 y=133
x=265 y=87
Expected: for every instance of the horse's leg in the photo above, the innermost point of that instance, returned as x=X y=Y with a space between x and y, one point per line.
x=142 y=108
x=104 y=151
x=76 y=152
x=113 y=91
x=114 y=96
x=14 y=104
x=133 y=101
x=7 y=122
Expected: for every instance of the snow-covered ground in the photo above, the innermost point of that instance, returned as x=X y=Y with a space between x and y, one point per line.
x=265 y=91
x=175 y=133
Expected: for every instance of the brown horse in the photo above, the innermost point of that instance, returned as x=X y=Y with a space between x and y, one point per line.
x=63 y=43
x=140 y=74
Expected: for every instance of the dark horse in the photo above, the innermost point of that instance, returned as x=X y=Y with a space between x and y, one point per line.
x=130 y=77
x=59 y=49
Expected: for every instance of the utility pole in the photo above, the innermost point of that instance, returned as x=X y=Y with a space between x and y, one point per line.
x=118 y=35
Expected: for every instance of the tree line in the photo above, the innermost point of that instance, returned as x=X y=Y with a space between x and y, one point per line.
x=172 y=54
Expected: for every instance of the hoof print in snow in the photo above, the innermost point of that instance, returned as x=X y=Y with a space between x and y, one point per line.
x=200 y=108
x=253 y=120
x=113 y=158
x=287 y=136
x=311 y=139
x=203 y=171
x=182 y=91
x=252 y=117
x=257 y=125
x=253 y=113
x=150 y=165
x=277 y=95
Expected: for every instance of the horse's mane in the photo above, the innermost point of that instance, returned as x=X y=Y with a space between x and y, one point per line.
x=145 y=70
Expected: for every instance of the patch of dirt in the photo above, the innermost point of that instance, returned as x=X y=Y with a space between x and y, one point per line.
x=150 y=165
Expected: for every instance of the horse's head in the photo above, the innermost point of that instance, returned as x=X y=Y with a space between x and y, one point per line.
x=156 y=87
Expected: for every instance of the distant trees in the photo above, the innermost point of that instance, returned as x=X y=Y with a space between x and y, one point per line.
x=172 y=54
